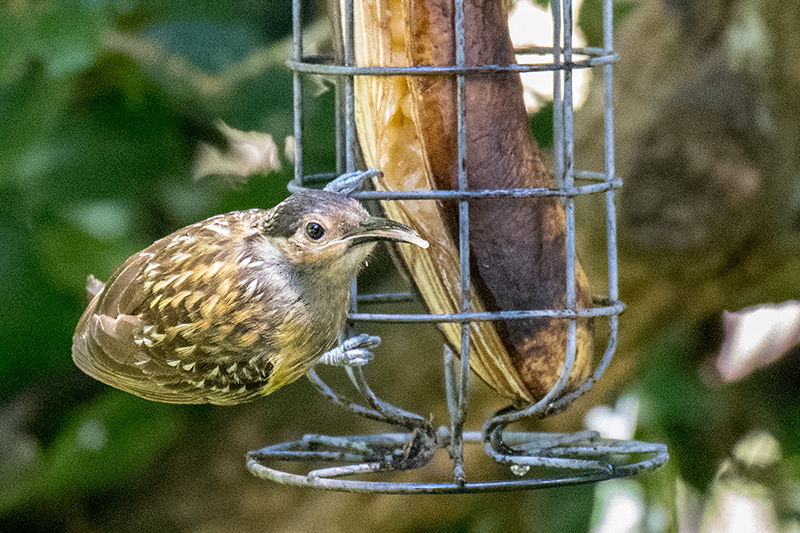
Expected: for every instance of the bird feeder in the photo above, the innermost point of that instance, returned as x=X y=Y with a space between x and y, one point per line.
x=370 y=63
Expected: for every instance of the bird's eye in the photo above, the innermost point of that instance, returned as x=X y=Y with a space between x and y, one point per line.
x=315 y=231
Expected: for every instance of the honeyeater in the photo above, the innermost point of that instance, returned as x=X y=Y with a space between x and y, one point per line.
x=231 y=308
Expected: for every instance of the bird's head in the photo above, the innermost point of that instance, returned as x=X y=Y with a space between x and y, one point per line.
x=329 y=232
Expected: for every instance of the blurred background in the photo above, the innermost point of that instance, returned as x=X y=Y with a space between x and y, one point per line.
x=109 y=109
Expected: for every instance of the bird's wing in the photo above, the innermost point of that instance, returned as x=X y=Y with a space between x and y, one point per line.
x=104 y=345
x=152 y=332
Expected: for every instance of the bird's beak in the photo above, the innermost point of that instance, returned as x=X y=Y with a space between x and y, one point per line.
x=382 y=229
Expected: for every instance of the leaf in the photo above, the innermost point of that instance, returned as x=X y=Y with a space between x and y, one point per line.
x=756 y=337
x=247 y=153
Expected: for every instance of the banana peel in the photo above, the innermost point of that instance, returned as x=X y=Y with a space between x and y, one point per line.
x=407 y=128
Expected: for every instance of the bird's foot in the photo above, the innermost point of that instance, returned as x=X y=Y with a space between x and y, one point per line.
x=347 y=183
x=355 y=351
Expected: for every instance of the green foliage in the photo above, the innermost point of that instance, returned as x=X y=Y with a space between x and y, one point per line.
x=679 y=405
x=98 y=132
x=542 y=126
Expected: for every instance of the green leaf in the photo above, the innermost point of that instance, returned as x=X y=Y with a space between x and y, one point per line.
x=542 y=125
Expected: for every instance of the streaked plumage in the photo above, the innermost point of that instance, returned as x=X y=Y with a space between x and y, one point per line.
x=233 y=307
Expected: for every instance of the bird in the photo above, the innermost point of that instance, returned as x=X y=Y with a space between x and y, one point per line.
x=234 y=307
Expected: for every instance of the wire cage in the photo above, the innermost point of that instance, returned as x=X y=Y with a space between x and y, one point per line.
x=535 y=460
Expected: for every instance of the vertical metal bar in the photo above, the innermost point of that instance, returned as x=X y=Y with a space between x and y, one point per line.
x=569 y=179
x=337 y=20
x=339 y=125
x=349 y=43
x=297 y=93
x=463 y=242
x=450 y=382
x=349 y=93
x=611 y=210
x=558 y=102
x=569 y=148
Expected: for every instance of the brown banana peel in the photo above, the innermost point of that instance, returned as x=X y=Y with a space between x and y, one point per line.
x=407 y=129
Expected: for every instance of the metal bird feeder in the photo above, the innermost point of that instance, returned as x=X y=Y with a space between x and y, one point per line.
x=535 y=460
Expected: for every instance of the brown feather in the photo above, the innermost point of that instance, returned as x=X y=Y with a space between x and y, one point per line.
x=230 y=308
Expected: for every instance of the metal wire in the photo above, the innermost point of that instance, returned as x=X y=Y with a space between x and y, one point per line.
x=566 y=459
x=595 y=467
x=319 y=65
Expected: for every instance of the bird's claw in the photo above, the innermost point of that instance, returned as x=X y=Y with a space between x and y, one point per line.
x=352 y=181
x=355 y=351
